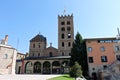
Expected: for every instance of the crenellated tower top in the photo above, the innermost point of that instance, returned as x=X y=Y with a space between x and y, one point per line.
x=65 y=16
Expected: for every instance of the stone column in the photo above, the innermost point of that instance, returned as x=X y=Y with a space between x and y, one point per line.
x=51 y=66
x=41 y=67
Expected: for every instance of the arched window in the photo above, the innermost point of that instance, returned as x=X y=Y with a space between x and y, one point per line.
x=69 y=35
x=62 y=53
x=68 y=22
x=5 y=56
x=62 y=44
x=33 y=45
x=62 y=23
x=62 y=36
x=62 y=29
x=39 y=45
x=68 y=28
x=69 y=44
x=50 y=54
x=33 y=54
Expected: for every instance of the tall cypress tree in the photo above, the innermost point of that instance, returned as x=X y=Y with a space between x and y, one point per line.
x=79 y=54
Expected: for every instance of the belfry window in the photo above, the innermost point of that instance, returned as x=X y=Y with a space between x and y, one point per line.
x=69 y=44
x=62 y=36
x=62 y=23
x=68 y=28
x=69 y=35
x=62 y=44
x=68 y=22
x=62 y=29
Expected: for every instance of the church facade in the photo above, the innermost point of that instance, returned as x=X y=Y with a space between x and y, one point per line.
x=49 y=60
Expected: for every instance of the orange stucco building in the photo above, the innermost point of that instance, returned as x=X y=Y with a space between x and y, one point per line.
x=100 y=53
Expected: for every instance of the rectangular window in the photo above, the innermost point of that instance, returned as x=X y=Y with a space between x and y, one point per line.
x=33 y=45
x=117 y=48
x=104 y=66
x=118 y=57
x=90 y=59
x=102 y=49
x=89 y=49
x=103 y=58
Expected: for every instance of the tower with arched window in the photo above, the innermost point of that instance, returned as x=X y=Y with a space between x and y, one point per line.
x=65 y=34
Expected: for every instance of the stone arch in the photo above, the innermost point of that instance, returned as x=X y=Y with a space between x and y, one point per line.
x=65 y=67
x=28 y=67
x=56 y=67
x=65 y=63
x=37 y=67
x=46 y=67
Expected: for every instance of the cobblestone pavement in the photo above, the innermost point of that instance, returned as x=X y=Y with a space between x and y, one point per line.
x=26 y=77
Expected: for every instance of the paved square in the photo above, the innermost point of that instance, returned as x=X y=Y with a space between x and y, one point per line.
x=26 y=77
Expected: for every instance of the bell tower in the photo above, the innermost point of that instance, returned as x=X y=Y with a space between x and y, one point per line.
x=65 y=34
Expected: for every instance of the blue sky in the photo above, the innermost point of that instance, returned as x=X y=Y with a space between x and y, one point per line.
x=24 y=19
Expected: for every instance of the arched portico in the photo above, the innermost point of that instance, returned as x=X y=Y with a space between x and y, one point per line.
x=28 y=67
x=65 y=67
x=37 y=67
x=56 y=67
x=46 y=67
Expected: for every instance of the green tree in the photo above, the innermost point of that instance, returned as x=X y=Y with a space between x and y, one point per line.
x=79 y=54
x=76 y=70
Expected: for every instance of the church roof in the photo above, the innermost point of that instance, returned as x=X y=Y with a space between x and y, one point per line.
x=38 y=38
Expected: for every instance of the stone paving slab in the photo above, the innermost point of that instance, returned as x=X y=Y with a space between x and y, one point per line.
x=27 y=77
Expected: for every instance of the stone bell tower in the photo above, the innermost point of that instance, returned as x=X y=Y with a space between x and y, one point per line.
x=65 y=34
